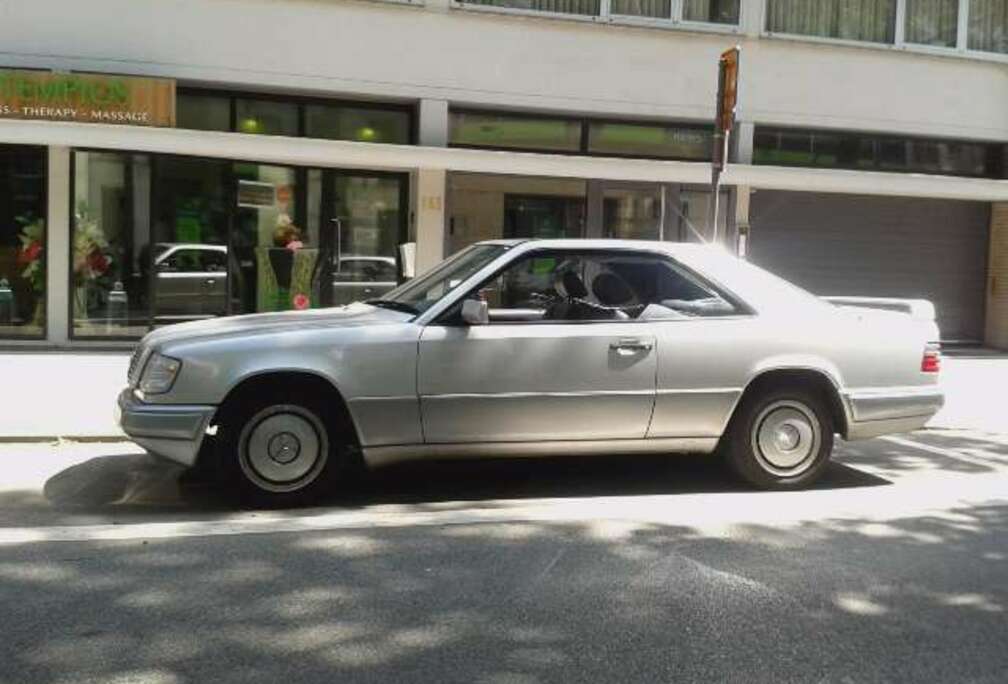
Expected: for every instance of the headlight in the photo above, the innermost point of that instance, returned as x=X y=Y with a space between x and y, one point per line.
x=159 y=374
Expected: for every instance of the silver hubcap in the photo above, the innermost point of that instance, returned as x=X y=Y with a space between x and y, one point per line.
x=283 y=448
x=786 y=437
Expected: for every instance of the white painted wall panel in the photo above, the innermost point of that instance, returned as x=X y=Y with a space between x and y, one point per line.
x=387 y=50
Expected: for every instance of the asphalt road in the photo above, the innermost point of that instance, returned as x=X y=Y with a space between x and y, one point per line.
x=613 y=569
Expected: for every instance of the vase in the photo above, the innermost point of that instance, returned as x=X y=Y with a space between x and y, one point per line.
x=38 y=316
x=80 y=301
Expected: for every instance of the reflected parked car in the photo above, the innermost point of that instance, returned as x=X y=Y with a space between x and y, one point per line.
x=534 y=348
x=359 y=278
x=191 y=280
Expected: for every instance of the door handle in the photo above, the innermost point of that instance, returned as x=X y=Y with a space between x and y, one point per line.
x=630 y=345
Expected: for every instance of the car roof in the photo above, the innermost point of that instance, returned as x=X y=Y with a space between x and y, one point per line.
x=191 y=245
x=608 y=243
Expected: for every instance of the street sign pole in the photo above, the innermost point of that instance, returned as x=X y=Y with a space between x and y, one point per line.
x=727 y=99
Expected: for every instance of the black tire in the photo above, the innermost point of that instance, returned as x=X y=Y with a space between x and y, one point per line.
x=281 y=450
x=780 y=438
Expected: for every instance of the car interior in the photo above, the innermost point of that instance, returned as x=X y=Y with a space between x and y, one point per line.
x=598 y=287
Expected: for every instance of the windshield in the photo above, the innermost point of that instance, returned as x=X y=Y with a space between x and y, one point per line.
x=422 y=293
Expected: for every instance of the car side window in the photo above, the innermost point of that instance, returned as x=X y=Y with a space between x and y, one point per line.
x=562 y=286
x=195 y=261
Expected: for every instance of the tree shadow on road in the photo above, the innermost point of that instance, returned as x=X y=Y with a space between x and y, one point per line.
x=918 y=599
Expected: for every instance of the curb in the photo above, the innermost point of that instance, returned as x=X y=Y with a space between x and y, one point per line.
x=32 y=439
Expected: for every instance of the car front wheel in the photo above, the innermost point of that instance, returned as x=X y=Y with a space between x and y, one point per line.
x=280 y=452
x=780 y=439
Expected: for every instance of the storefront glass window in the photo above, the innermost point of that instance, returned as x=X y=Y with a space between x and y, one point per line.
x=694 y=208
x=203 y=112
x=360 y=124
x=22 y=241
x=276 y=253
x=865 y=151
x=633 y=213
x=514 y=132
x=649 y=140
x=110 y=253
x=190 y=239
x=266 y=117
x=367 y=229
x=486 y=207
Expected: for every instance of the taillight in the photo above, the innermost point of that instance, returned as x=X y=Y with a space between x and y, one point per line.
x=931 y=362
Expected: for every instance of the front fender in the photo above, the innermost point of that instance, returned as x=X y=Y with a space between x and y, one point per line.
x=373 y=369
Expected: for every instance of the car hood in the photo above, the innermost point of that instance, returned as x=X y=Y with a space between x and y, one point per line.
x=351 y=315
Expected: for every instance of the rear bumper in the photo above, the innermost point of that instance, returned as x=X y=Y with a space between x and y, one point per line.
x=170 y=431
x=878 y=412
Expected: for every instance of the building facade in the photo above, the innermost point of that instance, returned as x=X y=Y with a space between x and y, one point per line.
x=166 y=161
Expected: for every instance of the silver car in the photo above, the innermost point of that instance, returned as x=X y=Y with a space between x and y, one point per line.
x=534 y=348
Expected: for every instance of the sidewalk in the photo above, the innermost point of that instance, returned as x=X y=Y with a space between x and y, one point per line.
x=72 y=394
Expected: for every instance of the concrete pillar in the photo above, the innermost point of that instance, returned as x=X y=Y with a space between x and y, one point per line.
x=744 y=133
x=752 y=18
x=433 y=126
x=430 y=218
x=58 y=247
x=996 y=332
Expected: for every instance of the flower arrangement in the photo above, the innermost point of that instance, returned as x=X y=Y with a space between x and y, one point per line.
x=287 y=234
x=91 y=257
x=29 y=257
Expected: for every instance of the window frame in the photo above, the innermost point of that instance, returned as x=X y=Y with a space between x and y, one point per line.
x=992 y=170
x=584 y=148
x=960 y=49
x=301 y=102
x=449 y=317
x=607 y=16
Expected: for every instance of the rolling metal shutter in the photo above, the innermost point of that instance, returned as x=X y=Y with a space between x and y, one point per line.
x=833 y=244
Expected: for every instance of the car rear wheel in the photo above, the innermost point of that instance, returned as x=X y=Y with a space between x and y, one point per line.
x=780 y=439
x=281 y=451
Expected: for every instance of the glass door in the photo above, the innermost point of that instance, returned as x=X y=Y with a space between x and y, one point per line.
x=695 y=215
x=363 y=223
x=632 y=211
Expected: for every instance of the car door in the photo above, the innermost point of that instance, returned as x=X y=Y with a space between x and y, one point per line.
x=537 y=372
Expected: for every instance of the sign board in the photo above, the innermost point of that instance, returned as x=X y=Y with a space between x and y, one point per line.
x=87 y=98
x=727 y=88
x=256 y=195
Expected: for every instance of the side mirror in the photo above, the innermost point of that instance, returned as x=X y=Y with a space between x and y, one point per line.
x=475 y=312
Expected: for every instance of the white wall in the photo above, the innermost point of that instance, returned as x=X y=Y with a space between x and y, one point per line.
x=385 y=50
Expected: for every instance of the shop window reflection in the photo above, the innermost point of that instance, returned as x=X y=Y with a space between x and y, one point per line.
x=190 y=233
x=110 y=253
x=277 y=255
x=22 y=241
x=266 y=117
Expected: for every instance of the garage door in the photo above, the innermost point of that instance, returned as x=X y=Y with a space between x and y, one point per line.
x=879 y=247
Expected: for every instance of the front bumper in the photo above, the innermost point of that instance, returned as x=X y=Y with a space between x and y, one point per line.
x=879 y=412
x=167 y=430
